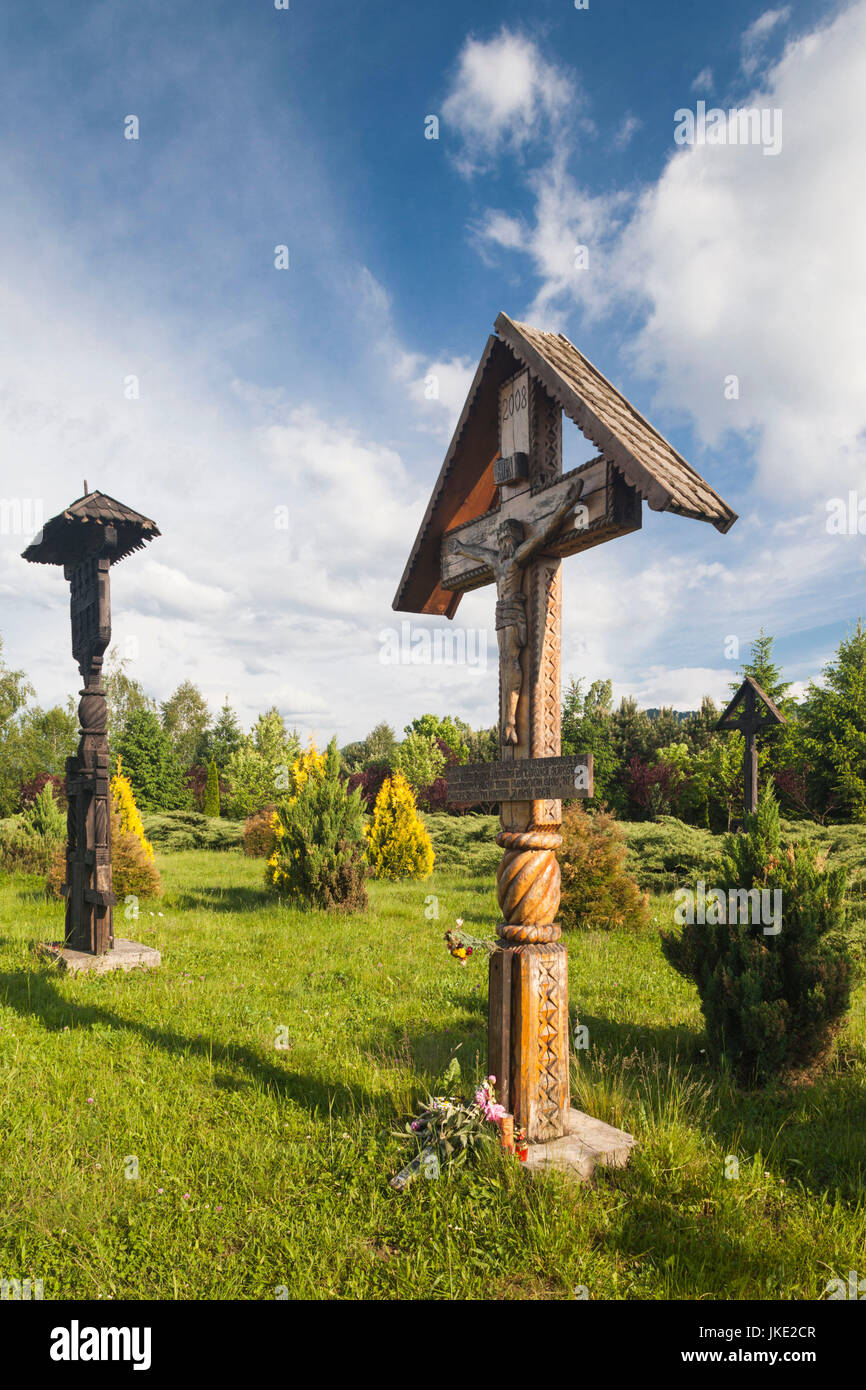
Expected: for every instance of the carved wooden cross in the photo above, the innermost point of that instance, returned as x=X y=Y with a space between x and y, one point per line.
x=756 y=712
x=91 y=535
x=503 y=512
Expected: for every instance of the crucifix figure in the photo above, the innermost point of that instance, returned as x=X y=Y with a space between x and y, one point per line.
x=503 y=512
x=507 y=561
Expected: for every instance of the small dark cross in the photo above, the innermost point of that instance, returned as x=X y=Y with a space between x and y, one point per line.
x=750 y=711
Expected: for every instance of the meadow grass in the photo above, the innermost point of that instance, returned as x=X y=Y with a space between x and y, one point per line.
x=264 y=1168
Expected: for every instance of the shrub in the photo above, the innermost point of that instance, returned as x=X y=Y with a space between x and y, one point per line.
x=123 y=801
x=596 y=889
x=398 y=845
x=44 y=818
x=21 y=851
x=178 y=830
x=665 y=853
x=29 y=841
x=318 y=858
x=770 y=1001
x=133 y=872
x=30 y=790
x=369 y=782
x=260 y=835
x=212 y=791
x=467 y=843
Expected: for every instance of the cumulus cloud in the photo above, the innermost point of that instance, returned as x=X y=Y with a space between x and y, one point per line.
x=502 y=97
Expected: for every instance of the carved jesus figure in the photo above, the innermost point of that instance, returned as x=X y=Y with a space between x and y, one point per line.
x=513 y=551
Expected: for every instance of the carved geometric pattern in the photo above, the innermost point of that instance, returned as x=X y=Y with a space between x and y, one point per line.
x=545 y=683
x=545 y=436
x=548 y=1051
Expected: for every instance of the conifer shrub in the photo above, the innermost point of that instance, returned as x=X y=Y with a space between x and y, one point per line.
x=597 y=891
x=172 y=831
x=212 y=791
x=133 y=871
x=123 y=800
x=772 y=1000
x=318 y=857
x=398 y=843
x=29 y=841
x=260 y=838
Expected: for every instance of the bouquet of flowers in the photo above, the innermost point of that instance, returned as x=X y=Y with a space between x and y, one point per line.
x=461 y=944
x=450 y=1130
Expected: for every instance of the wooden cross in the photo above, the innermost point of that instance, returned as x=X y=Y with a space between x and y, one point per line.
x=91 y=535
x=540 y=516
x=503 y=512
x=756 y=712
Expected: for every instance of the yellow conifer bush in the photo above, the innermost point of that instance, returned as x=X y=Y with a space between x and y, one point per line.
x=308 y=764
x=124 y=801
x=398 y=844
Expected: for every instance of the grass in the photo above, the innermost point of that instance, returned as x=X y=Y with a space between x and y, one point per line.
x=263 y=1168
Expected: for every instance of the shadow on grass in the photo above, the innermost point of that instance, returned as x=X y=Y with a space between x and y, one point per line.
x=814 y=1134
x=235 y=898
x=34 y=994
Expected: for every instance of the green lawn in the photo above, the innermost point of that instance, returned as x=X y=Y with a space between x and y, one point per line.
x=261 y=1167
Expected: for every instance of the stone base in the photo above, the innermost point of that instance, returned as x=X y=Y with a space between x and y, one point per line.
x=126 y=955
x=586 y=1145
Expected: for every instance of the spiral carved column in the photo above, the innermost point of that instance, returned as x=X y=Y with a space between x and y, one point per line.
x=528 y=1032
x=528 y=884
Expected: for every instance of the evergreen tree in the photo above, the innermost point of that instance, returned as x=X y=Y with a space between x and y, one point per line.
x=318 y=858
x=150 y=763
x=123 y=803
x=771 y=999
x=762 y=668
x=834 y=728
x=212 y=791
x=221 y=741
x=398 y=843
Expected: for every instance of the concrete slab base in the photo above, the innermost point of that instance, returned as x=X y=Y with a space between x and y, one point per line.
x=126 y=955
x=586 y=1145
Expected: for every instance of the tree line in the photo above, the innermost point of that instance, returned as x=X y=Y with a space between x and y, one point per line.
x=647 y=762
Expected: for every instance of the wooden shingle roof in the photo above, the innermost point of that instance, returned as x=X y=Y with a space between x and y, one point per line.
x=620 y=432
x=465 y=487
x=80 y=528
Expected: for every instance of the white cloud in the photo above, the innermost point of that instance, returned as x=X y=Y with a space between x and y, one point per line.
x=755 y=37
x=628 y=128
x=502 y=96
x=704 y=81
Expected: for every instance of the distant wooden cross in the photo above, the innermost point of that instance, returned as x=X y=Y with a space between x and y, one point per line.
x=90 y=536
x=750 y=711
x=503 y=512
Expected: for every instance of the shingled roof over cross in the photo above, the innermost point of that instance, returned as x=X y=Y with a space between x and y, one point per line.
x=465 y=487
x=81 y=527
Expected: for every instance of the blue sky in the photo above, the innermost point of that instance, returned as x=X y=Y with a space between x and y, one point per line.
x=302 y=392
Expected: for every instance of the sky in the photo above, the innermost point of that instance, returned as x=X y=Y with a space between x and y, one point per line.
x=279 y=423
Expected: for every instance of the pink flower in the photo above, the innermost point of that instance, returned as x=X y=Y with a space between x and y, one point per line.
x=494 y=1112
x=90 y=1100
x=186 y=1196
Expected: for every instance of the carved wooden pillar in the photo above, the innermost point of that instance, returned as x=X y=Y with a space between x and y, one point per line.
x=528 y=1008
x=89 y=895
